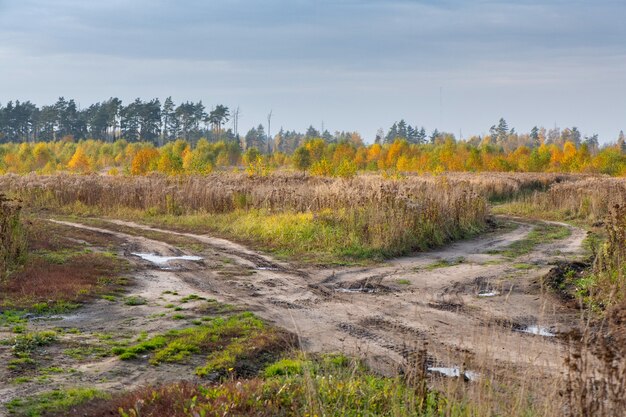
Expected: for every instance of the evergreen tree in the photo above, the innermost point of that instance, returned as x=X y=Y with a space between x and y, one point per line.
x=534 y=136
x=130 y=120
x=421 y=135
x=402 y=130
x=434 y=136
x=621 y=141
x=392 y=134
x=380 y=136
x=312 y=133
x=150 y=120
x=170 y=125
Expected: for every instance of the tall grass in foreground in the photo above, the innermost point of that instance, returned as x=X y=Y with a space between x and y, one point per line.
x=596 y=381
x=12 y=236
x=364 y=217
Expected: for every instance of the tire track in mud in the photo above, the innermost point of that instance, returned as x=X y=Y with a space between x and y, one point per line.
x=346 y=308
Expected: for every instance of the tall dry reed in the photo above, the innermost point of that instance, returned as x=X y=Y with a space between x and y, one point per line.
x=391 y=215
x=12 y=237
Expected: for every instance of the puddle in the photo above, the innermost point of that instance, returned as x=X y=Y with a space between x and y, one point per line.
x=538 y=330
x=162 y=260
x=356 y=290
x=364 y=286
x=488 y=294
x=455 y=373
x=46 y=318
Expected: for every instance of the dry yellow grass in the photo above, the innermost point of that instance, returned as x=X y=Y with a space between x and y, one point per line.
x=367 y=216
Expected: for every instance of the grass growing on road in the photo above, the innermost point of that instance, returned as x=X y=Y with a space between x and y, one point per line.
x=542 y=233
x=231 y=345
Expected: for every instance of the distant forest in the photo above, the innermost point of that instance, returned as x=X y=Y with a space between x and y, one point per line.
x=156 y=123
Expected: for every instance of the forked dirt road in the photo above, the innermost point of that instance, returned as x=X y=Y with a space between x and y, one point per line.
x=464 y=303
x=467 y=304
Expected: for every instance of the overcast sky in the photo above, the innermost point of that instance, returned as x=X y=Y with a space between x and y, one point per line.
x=351 y=64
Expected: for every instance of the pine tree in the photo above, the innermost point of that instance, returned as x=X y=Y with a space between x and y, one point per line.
x=534 y=136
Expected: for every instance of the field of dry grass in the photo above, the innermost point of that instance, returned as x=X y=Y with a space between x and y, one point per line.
x=331 y=220
x=385 y=217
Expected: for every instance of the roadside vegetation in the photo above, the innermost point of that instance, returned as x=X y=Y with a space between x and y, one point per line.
x=12 y=237
x=318 y=220
x=60 y=270
x=597 y=204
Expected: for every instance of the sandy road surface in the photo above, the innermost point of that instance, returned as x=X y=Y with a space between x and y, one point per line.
x=389 y=310
x=463 y=302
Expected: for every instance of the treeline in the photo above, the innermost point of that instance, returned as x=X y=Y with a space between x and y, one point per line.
x=145 y=136
x=317 y=156
x=146 y=121
x=156 y=123
x=142 y=121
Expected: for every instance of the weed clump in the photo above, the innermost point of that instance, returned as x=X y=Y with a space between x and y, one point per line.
x=12 y=236
x=237 y=344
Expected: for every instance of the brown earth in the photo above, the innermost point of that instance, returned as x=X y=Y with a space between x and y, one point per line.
x=383 y=313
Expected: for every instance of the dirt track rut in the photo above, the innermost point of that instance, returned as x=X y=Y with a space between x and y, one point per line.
x=465 y=302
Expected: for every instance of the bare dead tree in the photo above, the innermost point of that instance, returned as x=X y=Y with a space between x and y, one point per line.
x=269 y=135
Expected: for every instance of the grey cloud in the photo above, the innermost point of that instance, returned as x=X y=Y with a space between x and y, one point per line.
x=358 y=64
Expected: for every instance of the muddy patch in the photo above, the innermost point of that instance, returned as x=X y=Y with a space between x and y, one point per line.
x=285 y=304
x=164 y=261
x=446 y=306
x=527 y=325
x=454 y=372
x=367 y=286
x=377 y=322
x=562 y=278
x=537 y=330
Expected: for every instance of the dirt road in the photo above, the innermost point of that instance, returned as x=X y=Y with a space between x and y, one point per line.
x=467 y=304
x=465 y=300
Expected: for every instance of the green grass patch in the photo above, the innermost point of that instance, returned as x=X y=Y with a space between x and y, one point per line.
x=332 y=387
x=445 y=263
x=90 y=351
x=18 y=328
x=541 y=233
x=523 y=266
x=55 y=401
x=134 y=300
x=62 y=256
x=224 y=340
x=191 y=297
x=285 y=367
x=12 y=318
x=530 y=211
x=21 y=380
x=403 y=281
x=29 y=342
x=21 y=364
x=54 y=307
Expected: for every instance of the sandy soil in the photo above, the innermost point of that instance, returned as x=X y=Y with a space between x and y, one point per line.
x=469 y=313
